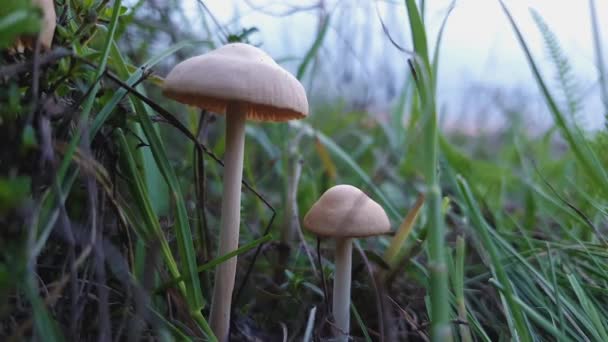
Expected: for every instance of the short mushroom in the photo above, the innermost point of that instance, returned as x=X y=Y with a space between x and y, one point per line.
x=345 y=212
x=47 y=27
x=244 y=83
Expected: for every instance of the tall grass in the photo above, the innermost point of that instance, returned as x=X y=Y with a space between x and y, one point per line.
x=425 y=85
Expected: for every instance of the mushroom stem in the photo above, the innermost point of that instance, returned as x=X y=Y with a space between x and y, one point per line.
x=341 y=300
x=230 y=220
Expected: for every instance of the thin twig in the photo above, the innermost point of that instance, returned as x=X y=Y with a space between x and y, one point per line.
x=579 y=212
x=217 y=23
x=48 y=58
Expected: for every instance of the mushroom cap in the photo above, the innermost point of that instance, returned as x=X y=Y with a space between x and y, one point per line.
x=345 y=211
x=240 y=73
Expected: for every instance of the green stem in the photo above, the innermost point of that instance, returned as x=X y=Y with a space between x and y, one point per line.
x=440 y=330
x=202 y=322
x=440 y=307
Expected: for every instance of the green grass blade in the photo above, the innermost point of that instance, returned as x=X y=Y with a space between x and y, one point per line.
x=572 y=313
x=476 y=326
x=439 y=290
x=211 y=264
x=138 y=190
x=182 y=226
x=392 y=252
x=360 y=322
x=458 y=284
x=177 y=333
x=590 y=309
x=90 y=100
x=418 y=34
x=540 y=320
x=109 y=107
x=316 y=45
x=435 y=61
x=157 y=189
x=558 y=304
x=482 y=230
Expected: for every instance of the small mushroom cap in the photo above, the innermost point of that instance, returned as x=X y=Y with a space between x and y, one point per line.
x=345 y=211
x=240 y=73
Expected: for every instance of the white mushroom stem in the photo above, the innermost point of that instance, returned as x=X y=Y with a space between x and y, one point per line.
x=341 y=301
x=230 y=221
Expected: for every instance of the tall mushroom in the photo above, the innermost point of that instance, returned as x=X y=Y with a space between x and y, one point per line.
x=345 y=212
x=244 y=83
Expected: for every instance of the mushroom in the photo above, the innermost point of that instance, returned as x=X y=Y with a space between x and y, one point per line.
x=345 y=212
x=244 y=83
x=47 y=27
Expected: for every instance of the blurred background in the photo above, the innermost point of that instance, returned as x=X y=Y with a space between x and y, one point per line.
x=483 y=75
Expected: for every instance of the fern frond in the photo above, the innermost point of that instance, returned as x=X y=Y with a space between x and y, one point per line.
x=565 y=77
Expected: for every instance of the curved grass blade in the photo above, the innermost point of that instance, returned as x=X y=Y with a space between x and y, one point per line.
x=140 y=72
x=138 y=190
x=391 y=253
x=425 y=84
x=211 y=264
x=312 y=52
x=360 y=322
x=435 y=61
x=482 y=229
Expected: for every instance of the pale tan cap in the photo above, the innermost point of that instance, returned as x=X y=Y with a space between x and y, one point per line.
x=242 y=73
x=345 y=211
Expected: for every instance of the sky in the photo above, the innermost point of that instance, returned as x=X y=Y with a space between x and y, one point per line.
x=480 y=56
